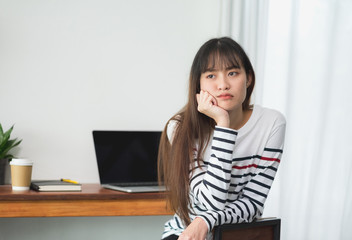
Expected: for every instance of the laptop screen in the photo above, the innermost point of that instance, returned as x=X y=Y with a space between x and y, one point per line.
x=127 y=156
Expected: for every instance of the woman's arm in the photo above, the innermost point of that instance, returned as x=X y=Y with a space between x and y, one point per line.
x=210 y=187
x=250 y=203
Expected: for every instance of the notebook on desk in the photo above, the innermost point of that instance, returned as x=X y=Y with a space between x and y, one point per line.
x=127 y=160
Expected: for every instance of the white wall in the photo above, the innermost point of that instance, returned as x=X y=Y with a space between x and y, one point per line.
x=68 y=67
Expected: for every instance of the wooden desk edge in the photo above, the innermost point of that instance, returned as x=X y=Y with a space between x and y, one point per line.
x=81 y=208
x=101 y=203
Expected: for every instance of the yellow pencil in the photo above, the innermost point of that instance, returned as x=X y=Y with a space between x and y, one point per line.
x=69 y=181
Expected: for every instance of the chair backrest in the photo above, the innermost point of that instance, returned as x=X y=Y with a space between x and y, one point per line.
x=262 y=229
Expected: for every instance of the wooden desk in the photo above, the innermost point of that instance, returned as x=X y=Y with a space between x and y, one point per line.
x=92 y=201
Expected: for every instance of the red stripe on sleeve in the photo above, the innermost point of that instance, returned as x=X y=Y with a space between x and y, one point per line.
x=270 y=159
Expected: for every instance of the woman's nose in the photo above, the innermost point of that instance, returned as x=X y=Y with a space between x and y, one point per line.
x=223 y=83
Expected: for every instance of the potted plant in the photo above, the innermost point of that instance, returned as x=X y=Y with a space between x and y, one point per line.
x=6 y=144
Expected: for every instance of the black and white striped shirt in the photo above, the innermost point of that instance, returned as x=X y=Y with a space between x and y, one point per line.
x=233 y=182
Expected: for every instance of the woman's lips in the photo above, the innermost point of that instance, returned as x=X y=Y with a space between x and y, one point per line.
x=225 y=96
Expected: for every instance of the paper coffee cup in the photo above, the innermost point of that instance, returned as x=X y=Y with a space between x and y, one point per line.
x=21 y=174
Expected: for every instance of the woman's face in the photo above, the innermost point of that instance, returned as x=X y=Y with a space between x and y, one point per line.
x=227 y=85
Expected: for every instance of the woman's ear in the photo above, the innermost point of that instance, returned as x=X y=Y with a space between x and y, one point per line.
x=249 y=79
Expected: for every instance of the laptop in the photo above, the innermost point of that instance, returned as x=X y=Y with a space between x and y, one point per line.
x=127 y=160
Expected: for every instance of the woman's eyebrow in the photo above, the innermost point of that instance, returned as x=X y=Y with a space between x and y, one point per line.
x=212 y=69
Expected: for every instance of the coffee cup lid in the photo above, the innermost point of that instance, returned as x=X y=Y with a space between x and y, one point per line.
x=21 y=161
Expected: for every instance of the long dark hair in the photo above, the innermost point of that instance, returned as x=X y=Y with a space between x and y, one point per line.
x=175 y=160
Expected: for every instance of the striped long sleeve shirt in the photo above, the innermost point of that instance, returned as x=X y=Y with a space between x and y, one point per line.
x=238 y=169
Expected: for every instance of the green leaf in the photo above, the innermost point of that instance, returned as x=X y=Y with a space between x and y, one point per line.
x=6 y=144
x=6 y=137
x=17 y=143
x=8 y=132
x=3 y=143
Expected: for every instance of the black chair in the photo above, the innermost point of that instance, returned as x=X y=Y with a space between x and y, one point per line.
x=261 y=229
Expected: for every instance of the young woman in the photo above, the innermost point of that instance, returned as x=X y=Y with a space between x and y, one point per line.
x=219 y=155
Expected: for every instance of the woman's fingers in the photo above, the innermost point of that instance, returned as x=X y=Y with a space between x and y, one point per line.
x=205 y=101
x=208 y=105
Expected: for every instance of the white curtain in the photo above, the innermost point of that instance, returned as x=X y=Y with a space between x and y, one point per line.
x=302 y=51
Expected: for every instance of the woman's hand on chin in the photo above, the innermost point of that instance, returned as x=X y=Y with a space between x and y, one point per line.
x=208 y=105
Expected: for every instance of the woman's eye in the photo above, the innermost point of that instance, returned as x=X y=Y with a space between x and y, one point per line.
x=211 y=76
x=231 y=74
